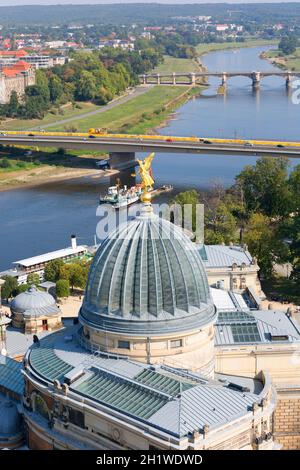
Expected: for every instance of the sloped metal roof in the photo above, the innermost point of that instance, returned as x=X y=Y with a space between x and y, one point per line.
x=220 y=256
x=46 y=257
x=10 y=420
x=204 y=404
x=122 y=394
x=34 y=303
x=10 y=375
x=255 y=326
x=44 y=360
x=162 y=382
x=169 y=399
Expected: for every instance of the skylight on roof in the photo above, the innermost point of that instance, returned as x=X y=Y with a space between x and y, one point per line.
x=245 y=333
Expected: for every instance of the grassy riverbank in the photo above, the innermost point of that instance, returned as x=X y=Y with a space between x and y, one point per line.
x=220 y=46
x=286 y=62
x=174 y=64
x=141 y=114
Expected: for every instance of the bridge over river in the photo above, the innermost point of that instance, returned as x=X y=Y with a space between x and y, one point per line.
x=122 y=147
x=192 y=78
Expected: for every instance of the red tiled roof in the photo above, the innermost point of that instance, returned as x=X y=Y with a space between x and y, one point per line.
x=17 y=68
x=19 y=53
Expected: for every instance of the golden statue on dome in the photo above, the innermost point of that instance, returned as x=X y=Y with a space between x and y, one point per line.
x=145 y=172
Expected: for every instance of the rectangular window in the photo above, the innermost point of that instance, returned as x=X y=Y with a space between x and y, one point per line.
x=176 y=343
x=123 y=344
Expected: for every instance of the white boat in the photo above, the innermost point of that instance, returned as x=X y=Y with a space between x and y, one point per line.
x=121 y=197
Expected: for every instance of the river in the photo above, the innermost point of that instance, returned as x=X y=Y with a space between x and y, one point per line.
x=36 y=220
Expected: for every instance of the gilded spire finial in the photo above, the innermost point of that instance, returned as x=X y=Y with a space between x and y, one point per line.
x=145 y=172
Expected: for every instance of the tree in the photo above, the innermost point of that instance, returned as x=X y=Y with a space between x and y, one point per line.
x=294 y=184
x=220 y=226
x=9 y=287
x=187 y=200
x=12 y=107
x=288 y=45
x=22 y=288
x=294 y=236
x=75 y=273
x=86 y=86
x=55 y=88
x=52 y=270
x=263 y=242
x=265 y=187
x=62 y=288
x=33 y=279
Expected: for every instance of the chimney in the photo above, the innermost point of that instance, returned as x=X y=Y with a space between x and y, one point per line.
x=73 y=242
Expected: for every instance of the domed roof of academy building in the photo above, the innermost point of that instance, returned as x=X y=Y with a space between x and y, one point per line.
x=34 y=302
x=147 y=278
x=10 y=419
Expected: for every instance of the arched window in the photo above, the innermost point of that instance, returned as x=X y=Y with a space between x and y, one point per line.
x=40 y=406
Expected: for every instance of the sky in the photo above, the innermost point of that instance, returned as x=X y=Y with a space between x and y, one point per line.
x=89 y=2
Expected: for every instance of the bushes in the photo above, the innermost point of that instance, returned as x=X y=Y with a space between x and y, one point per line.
x=61 y=151
x=5 y=163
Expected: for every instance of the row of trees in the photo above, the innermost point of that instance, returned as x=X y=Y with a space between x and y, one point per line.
x=67 y=276
x=262 y=209
x=11 y=288
x=96 y=77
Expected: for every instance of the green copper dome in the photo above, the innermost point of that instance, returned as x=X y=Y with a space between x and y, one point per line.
x=147 y=277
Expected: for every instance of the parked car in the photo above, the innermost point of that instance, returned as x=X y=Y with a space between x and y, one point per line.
x=103 y=164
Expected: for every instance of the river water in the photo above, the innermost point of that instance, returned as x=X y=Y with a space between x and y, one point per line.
x=36 y=220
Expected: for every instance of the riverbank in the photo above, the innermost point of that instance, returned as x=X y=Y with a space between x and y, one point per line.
x=288 y=62
x=203 y=49
x=48 y=166
x=40 y=176
x=45 y=166
x=141 y=114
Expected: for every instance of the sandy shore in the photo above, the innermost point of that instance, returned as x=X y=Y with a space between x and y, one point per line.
x=47 y=174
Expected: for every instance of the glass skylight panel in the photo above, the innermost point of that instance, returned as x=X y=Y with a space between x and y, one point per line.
x=246 y=333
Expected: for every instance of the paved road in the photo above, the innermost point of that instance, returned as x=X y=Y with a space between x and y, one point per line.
x=140 y=90
x=123 y=145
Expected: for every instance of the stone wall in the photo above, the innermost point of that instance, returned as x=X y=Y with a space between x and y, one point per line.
x=287 y=422
x=17 y=83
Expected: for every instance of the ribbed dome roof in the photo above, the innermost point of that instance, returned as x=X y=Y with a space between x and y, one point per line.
x=147 y=277
x=34 y=301
x=10 y=419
